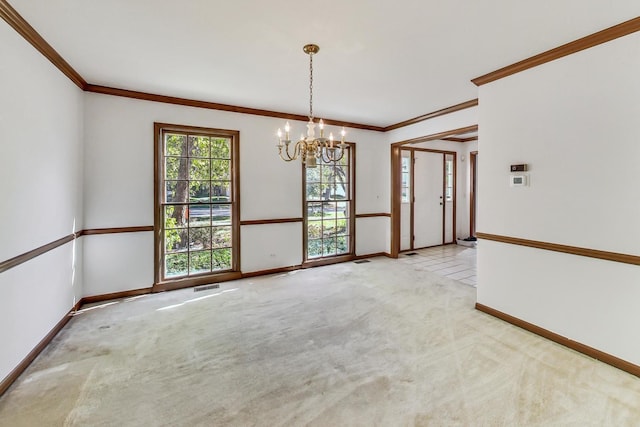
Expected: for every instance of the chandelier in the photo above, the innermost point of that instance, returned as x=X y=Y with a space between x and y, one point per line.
x=310 y=148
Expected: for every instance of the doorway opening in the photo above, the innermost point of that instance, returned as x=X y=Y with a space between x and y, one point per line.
x=428 y=210
x=403 y=184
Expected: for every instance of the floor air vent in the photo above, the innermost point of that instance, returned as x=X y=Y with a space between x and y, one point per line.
x=412 y=253
x=362 y=261
x=205 y=287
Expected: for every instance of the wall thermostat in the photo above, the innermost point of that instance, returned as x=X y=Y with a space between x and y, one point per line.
x=518 y=180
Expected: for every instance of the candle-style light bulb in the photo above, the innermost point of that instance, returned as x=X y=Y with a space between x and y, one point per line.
x=343 y=133
x=279 y=134
x=321 y=125
x=331 y=140
x=287 y=128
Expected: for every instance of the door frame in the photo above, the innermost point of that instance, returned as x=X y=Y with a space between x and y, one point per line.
x=473 y=191
x=396 y=180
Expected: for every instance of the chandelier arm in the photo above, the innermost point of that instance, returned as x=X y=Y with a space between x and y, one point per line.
x=333 y=157
x=289 y=157
x=325 y=156
x=301 y=150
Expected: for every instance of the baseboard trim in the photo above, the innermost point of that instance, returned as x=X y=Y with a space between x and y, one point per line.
x=377 y=254
x=271 y=271
x=114 y=295
x=24 y=364
x=559 y=339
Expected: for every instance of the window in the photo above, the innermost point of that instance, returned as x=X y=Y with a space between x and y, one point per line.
x=329 y=209
x=448 y=174
x=196 y=202
x=406 y=179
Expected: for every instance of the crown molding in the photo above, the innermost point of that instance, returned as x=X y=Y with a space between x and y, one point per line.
x=433 y=114
x=22 y=27
x=606 y=35
x=454 y=139
x=105 y=90
x=435 y=136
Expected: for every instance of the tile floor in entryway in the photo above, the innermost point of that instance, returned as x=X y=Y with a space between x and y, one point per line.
x=453 y=261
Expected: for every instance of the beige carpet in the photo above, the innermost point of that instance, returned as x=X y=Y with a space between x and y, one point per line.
x=381 y=343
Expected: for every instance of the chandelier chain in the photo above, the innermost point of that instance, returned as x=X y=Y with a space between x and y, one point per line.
x=311 y=86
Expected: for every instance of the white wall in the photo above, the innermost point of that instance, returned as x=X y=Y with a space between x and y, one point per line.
x=457 y=120
x=119 y=188
x=574 y=122
x=41 y=186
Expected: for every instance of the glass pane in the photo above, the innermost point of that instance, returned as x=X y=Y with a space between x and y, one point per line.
x=342 y=209
x=314 y=248
x=314 y=191
x=221 y=237
x=175 y=216
x=199 y=238
x=327 y=174
x=199 y=191
x=328 y=210
x=342 y=245
x=175 y=240
x=341 y=173
x=314 y=229
x=313 y=174
x=405 y=164
x=340 y=191
x=221 y=148
x=175 y=145
x=199 y=146
x=221 y=214
x=175 y=265
x=314 y=209
x=222 y=259
x=176 y=191
x=199 y=169
x=175 y=168
x=329 y=247
x=328 y=228
x=221 y=191
x=342 y=226
x=199 y=215
x=220 y=169
x=200 y=262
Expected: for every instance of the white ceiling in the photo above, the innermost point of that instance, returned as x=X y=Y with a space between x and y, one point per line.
x=380 y=62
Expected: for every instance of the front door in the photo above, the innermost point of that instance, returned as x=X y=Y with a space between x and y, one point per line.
x=428 y=211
